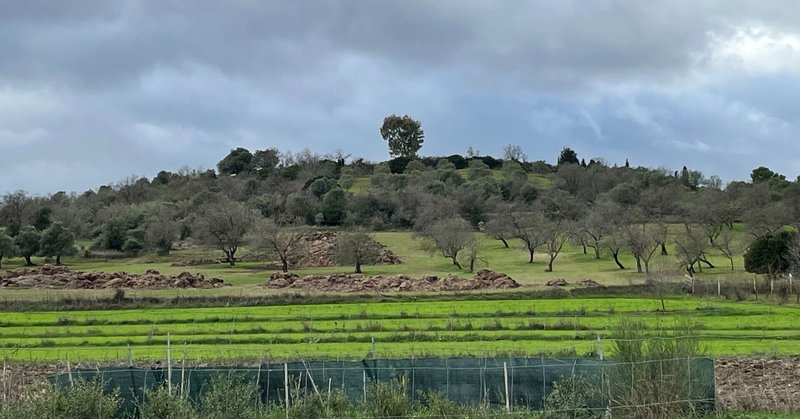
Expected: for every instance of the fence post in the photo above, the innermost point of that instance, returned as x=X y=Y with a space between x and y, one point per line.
x=364 y=383
x=169 y=366
x=719 y=288
x=130 y=356
x=600 y=348
x=755 y=288
x=505 y=379
x=286 y=386
x=69 y=372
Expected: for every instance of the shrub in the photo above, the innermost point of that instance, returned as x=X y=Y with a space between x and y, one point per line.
x=388 y=399
x=230 y=396
x=569 y=399
x=159 y=404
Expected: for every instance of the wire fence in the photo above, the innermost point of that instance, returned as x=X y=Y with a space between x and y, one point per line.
x=509 y=383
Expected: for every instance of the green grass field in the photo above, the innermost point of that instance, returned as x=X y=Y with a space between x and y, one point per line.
x=562 y=326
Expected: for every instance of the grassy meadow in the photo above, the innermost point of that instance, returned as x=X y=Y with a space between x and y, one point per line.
x=400 y=329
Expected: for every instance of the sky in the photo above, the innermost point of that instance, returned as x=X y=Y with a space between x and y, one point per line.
x=94 y=91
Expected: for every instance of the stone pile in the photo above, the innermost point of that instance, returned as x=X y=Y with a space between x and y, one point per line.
x=483 y=279
x=61 y=277
x=319 y=248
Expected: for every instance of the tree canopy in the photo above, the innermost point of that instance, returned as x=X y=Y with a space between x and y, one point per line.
x=404 y=135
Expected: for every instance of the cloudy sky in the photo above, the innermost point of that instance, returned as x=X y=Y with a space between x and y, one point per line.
x=94 y=91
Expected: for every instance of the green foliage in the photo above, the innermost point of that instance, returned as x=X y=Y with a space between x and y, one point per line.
x=568 y=156
x=41 y=219
x=27 y=242
x=83 y=400
x=57 y=241
x=334 y=206
x=404 y=135
x=158 y=403
x=229 y=396
x=132 y=246
x=569 y=399
x=113 y=234
x=388 y=399
x=237 y=161
x=770 y=254
x=398 y=165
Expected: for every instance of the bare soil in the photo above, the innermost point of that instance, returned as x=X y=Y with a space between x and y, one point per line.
x=483 y=279
x=758 y=384
x=49 y=276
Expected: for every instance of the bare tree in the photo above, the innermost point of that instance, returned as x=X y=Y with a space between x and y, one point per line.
x=555 y=233
x=614 y=243
x=598 y=223
x=500 y=224
x=281 y=242
x=658 y=279
x=224 y=224
x=449 y=237
x=473 y=250
x=641 y=244
x=356 y=248
x=527 y=227
x=728 y=245
x=514 y=152
x=691 y=246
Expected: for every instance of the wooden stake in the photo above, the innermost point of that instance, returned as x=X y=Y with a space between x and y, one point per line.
x=169 y=366
x=505 y=378
x=286 y=385
x=719 y=288
x=69 y=373
x=365 y=387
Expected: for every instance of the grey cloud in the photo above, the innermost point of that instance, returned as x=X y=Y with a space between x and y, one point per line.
x=123 y=86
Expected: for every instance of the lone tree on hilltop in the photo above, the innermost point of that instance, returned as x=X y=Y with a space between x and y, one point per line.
x=356 y=248
x=237 y=161
x=568 y=156
x=57 y=241
x=404 y=135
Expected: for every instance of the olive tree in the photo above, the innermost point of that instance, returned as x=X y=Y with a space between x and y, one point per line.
x=356 y=248
x=57 y=241
x=27 y=243
x=448 y=236
x=281 y=242
x=527 y=227
x=224 y=224
x=554 y=234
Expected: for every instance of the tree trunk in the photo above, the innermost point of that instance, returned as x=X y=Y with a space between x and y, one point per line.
x=663 y=249
x=531 y=258
x=704 y=260
x=472 y=264
x=616 y=260
x=58 y=260
x=732 y=268
x=358 y=266
x=455 y=262
x=584 y=249
x=638 y=264
x=597 y=252
x=229 y=257
x=284 y=265
x=550 y=265
x=647 y=266
x=28 y=261
x=505 y=243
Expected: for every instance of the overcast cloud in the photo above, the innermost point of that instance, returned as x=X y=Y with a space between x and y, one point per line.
x=94 y=91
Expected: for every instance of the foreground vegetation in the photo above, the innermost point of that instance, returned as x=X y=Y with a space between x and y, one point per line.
x=346 y=331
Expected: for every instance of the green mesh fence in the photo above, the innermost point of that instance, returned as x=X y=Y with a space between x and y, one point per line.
x=463 y=380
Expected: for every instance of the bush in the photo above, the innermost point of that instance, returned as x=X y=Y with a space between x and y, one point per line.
x=398 y=165
x=569 y=399
x=159 y=404
x=230 y=396
x=653 y=376
x=83 y=400
x=388 y=399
